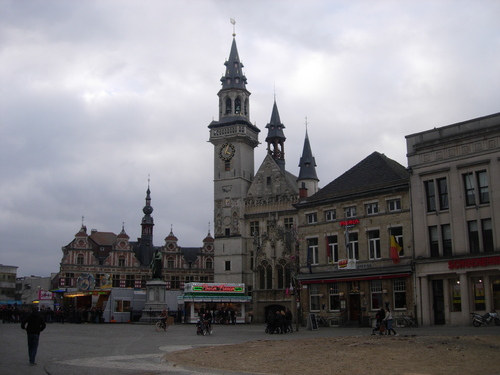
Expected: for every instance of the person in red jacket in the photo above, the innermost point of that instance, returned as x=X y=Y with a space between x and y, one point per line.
x=33 y=324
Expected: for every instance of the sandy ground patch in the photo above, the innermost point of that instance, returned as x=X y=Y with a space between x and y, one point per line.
x=409 y=355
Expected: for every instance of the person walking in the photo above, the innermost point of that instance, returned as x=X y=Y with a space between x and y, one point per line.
x=388 y=323
x=380 y=316
x=33 y=324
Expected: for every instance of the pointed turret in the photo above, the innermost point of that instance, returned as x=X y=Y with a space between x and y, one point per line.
x=147 y=222
x=276 y=138
x=233 y=77
x=234 y=102
x=308 y=179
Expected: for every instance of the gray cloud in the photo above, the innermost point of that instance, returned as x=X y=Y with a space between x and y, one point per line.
x=97 y=95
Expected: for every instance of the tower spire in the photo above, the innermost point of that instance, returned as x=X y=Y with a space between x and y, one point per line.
x=308 y=178
x=276 y=137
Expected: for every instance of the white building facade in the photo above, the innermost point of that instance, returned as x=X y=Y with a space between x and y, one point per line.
x=455 y=194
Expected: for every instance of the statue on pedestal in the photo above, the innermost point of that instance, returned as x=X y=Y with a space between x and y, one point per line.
x=156 y=265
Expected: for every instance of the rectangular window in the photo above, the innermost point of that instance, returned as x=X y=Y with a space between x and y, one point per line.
x=434 y=241
x=227 y=231
x=470 y=195
x=446 y=236
x=227 y=265
x=312 y=251
x=314 y=297
x=473 y=237
x=288 y=222
x=394 y=204
x=334 y=297
x=129 y=281
x=333 y=249
x=350 y=211
x=430 y=195
x=479 y=296
x=456 y=295
x=79 y=260
x=175 y=282
x=376 y=294
x=330 y=215
x=122 y=306
x=254 y=228
x=443 y=193
x=116 y=281
x=487 y=232
x=397 y=232
x=170 y=263
x=353 y=250
x=374 y=244
x=399 y=285
x=121 y=262
x=312 y=218
x=482 y=183
x=69 y=279
x=98 y=278
x=371 y=208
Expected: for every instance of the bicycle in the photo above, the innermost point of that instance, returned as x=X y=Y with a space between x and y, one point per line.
x=204 y=328
x=322 y=322
x=407 y=321
x=161 y=324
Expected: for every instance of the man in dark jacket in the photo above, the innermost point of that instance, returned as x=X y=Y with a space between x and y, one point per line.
x=33 y=324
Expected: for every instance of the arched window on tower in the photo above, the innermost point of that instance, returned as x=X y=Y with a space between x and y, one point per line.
x=246 y=108
x=237 y=106
x=229 y=106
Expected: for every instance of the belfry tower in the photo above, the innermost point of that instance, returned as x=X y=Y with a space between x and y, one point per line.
x=234 y=138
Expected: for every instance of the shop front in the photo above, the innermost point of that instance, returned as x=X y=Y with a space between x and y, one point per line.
x=449 y=290
x=226 y=302
x=352 y=297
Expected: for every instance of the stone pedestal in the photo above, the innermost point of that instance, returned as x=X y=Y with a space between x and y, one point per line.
x=155 y=300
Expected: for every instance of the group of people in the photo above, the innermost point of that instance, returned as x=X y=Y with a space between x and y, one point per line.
x=384 y=322
x=279 y=321
x=220 y=316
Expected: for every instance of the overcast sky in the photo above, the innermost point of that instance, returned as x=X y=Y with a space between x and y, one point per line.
x=97 y=95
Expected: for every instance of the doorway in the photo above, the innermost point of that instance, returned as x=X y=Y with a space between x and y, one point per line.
x=354 y=307
x=438 y=301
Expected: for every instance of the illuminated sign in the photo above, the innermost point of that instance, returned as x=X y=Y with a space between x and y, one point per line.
x=44 y=295
x=348 y=223
x=215 y=288
x=474 y=262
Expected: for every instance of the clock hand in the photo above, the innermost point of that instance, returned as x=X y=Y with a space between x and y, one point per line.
x=227 y=150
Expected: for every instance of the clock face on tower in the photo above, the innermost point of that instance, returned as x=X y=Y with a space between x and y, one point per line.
x=226 y=151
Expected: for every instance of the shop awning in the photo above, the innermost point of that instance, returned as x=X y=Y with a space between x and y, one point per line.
x=189 y=298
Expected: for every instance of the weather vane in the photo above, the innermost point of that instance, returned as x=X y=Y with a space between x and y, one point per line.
x=234 y=26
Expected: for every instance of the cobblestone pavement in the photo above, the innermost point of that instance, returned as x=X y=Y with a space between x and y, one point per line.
x=137 y=349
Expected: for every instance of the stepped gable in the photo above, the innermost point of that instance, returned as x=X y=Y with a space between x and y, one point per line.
x=376 y=171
